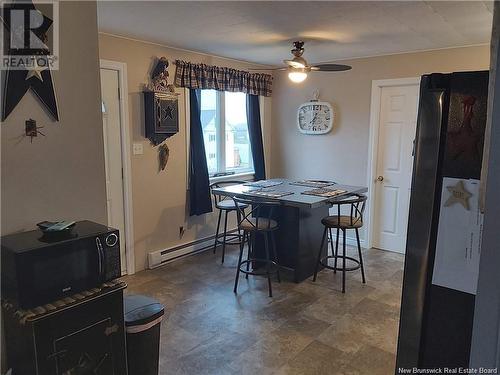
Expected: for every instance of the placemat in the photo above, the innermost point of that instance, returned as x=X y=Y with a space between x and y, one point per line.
x=325 y=193
x=270 y=193
x=264 y=183
x=313 y=183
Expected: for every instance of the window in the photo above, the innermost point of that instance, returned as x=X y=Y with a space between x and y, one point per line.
x=225 y=132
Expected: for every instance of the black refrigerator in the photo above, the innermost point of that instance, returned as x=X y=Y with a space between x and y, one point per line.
x=444 y=225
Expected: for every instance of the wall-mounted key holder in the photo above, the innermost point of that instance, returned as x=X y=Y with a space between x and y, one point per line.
x=161 y=105
x=162 y=116
x=31 y=130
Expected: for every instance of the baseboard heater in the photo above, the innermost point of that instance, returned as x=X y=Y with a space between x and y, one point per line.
x=160 y=257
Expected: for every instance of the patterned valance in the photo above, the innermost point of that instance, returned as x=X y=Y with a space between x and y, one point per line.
x=201 y=76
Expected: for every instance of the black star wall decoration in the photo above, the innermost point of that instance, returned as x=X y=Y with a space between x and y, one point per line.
x=35 y=75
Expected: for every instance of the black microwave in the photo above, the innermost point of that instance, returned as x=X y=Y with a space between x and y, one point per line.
x=38 y=269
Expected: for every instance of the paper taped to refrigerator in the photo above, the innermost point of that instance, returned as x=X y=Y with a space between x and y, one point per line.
x=458 y=246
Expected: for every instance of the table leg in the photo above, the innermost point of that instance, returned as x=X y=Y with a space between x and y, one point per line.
x=297 y=240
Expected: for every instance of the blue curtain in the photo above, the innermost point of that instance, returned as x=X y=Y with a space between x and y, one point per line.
x=255 y=134
x=199 y=190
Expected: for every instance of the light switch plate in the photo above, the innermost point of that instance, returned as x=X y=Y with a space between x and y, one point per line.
x=137 y=149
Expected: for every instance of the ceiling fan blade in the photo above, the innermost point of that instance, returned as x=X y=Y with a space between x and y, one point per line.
x=293 y=64
x=331 y=67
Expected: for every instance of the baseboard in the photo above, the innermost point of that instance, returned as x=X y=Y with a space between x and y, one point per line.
x=160 y=257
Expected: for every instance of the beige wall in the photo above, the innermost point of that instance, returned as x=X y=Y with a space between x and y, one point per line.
x=342 y=155
x=61 y=175
x=159 y=198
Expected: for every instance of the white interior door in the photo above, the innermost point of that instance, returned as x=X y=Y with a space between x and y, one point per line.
x=113 y=155
x=397 y=127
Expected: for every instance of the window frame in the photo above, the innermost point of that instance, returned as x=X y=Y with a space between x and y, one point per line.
x=185 y=118
x=220 y=139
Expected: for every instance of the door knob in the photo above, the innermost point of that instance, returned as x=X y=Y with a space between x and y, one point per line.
x=380 y=178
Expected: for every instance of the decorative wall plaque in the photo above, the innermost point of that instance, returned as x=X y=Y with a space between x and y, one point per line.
x=161 y=105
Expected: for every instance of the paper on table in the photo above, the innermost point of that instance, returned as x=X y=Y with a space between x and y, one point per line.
x=264 y=183
x=324 y=192
x=270 y=193
x=458 y=246
x=313 y=183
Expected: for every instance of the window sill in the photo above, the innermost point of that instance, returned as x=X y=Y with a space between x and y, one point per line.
x=246 y=176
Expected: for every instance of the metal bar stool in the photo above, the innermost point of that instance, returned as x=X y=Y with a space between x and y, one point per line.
x=343 y=223
x=225 y=205
x=257 y=221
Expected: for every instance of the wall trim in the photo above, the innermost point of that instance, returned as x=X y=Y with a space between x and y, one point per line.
x=269 y=66
x=126 y=160
x=377 y=86
x=407 y=52
x=264 y=66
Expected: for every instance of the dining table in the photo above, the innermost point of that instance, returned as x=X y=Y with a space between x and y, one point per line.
x=303 y=203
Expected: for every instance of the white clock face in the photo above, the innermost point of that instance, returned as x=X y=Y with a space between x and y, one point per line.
x=315 y=118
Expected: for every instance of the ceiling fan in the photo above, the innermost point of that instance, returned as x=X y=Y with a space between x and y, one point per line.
x=298 y=67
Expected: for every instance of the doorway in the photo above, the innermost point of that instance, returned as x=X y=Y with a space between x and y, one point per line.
x=117 y=157
x=392 y=132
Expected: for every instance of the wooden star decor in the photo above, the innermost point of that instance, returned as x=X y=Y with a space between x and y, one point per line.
x=458 y=195
x=35 y=76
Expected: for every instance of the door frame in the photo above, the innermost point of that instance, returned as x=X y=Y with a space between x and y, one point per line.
x=121 y=68
x=377 y=86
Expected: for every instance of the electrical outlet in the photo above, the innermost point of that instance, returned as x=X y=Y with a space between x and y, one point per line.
x=137 y=149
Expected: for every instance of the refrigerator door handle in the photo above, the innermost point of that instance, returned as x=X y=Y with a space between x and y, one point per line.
x=420 y=222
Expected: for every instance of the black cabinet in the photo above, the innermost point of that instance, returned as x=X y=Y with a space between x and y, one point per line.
x=161 y=112
x=79 y=337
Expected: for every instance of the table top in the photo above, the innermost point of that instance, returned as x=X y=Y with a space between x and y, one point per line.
x=296 y=199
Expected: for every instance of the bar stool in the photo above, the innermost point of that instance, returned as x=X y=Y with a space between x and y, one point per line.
x=257 y=221
x=225 y=205
x=343 y=223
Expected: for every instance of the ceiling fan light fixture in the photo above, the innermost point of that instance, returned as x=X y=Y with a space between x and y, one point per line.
x=297 y=75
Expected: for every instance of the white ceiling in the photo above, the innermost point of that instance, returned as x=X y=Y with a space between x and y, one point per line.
x=262 y=32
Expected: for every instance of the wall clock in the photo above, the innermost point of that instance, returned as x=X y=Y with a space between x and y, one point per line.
x=315 y=117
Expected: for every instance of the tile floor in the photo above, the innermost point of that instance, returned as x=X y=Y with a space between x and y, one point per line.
x=306 y=328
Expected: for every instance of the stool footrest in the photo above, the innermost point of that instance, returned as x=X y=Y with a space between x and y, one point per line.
x=340 y=257
x=235 y=239
x=265 y=271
